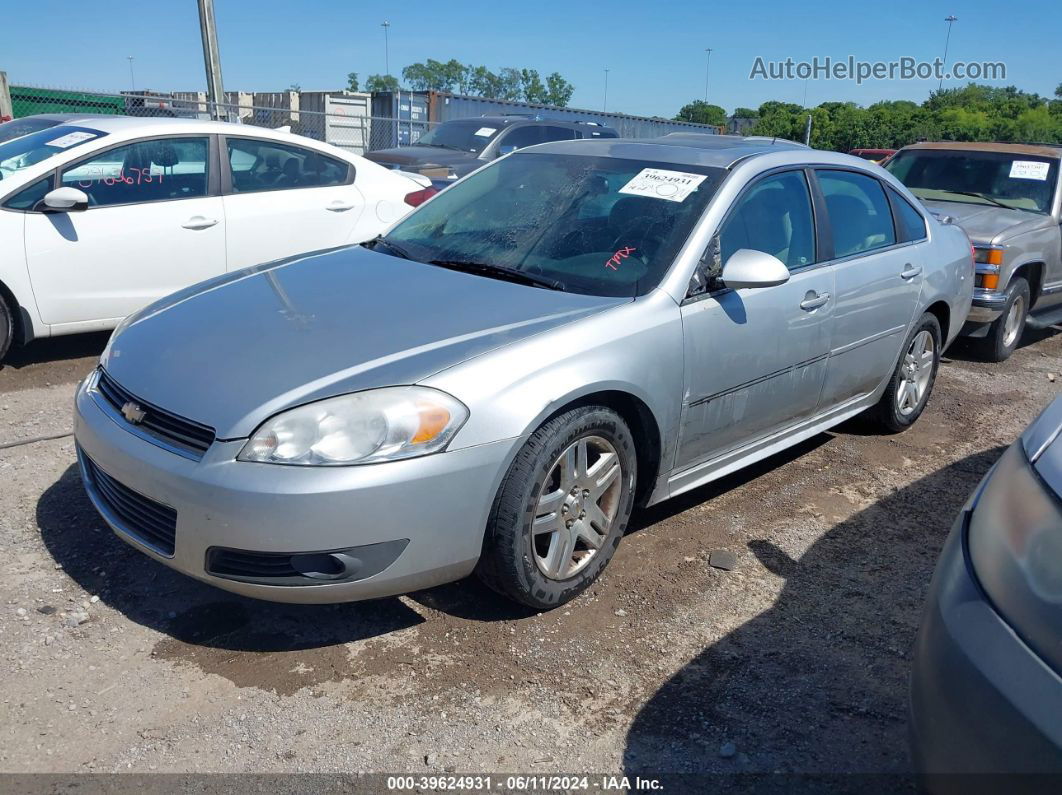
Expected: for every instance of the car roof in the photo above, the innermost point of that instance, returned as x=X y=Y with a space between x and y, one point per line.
x=502 y=119
x=684 y=148
x=1043 y=150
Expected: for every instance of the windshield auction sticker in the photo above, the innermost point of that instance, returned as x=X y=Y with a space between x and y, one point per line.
x=63 y=141
x=659 y=183
x=1029 y=169
x=486 y=132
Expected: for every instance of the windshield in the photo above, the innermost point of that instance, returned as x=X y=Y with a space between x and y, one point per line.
x=1016 y=181
x=28 y=150
x=592 y=225
x=467 y=135
x=20 y=127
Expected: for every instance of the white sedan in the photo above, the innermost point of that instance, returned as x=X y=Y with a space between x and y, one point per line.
x=101 y=215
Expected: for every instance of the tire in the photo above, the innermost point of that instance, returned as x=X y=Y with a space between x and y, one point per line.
x=7 y=328
x=912 y=381
x=1005 y=332
x=544 y=543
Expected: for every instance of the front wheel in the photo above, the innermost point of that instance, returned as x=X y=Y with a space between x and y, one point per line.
x=1005 y=332
x=912 y=381
x=562 y=509
x=7 y=328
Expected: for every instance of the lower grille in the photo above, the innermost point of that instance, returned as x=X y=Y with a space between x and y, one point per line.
x=150 y=522
x=186 y=435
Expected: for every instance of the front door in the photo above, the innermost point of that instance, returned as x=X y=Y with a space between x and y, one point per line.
x=756 y=358
x=151 y=228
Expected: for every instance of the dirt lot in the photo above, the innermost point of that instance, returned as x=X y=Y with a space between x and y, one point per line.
x=795 y=661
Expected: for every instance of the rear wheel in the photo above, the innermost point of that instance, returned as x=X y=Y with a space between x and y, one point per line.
x=1005 y=332
x=562 y=509
x=7 y=328
x=912 y=382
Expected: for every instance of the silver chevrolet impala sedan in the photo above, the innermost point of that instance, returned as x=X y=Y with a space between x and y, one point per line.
x=495 y=383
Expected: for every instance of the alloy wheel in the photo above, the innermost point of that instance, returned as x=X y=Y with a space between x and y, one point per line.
x=576 y=507
x=916 y=370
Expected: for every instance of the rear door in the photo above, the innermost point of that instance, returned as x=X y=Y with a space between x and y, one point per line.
x=878 y=280
x=154 y=225
x=756 y=358
x=282 y=199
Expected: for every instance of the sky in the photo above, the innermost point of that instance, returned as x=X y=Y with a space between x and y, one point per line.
x=655 y=52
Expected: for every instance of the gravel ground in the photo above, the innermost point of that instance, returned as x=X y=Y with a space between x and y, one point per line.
x=796 y=660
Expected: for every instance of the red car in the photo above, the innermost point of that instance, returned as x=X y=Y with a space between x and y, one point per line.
x=873 y=155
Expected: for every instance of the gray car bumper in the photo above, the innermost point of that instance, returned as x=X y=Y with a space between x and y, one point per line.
x=981 y=700
x=440 y=503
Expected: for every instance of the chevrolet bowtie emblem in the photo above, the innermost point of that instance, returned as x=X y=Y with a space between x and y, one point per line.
x=132 y=412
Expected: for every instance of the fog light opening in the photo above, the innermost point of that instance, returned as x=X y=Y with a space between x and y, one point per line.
x=324 y=565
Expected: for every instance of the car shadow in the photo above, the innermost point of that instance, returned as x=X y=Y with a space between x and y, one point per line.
x=154 y=596
x=471 y=600
x=965 y=349
x=818 y=682
x=55 y=349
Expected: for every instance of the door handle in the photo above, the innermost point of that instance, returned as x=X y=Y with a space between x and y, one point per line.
x=340 y=206
x=910 y=271
x=199 y=222
x=813 y=301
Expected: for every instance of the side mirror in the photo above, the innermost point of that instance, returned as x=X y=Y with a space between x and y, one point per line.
x=750 y=268
x=66 y=200
x=505 y=149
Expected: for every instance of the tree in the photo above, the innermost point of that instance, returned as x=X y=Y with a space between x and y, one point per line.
x=381 y=83
x=352 y=81
x=532 y=87
x=558 y=90
x=700 y=112
x=435 y=75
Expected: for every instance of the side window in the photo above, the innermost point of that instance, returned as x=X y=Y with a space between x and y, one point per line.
x=268 y=165
x=909 y=221
x=773 y=216
x=146 y=171
x=520 y=137
x=27 y=198
x=860 y=218
x=550 y=133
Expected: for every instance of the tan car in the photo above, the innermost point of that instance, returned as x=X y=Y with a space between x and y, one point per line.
x=1007 y=198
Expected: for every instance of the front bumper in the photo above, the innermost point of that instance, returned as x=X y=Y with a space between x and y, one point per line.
x=981 y=700
x=440 y=503
x=986 y=308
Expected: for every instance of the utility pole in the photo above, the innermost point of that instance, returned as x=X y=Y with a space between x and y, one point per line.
x=604 y=104
x=132 y=80
x=707 y=66
x=211 y=58
x=950 y=19
x=387 y=47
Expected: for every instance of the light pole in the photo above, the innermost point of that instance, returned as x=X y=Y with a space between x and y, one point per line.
x=132 y=80
x=950 y=19
x=387 y=48
x=707 y=66
x=604 y=104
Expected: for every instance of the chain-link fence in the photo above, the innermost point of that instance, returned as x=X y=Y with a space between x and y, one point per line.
x=340 y=118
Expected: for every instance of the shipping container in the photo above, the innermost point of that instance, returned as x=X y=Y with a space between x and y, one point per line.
x=401 y=117
x=26 y=101
x=340 y=118
x=444 y=107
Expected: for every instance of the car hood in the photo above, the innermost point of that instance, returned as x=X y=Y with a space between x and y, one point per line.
x=987 y=224
x=233 y=351
x=423 y=156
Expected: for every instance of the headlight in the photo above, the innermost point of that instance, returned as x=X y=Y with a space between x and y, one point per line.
x=1014 y=538
x=362 y=428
